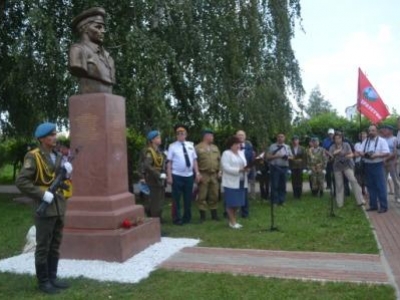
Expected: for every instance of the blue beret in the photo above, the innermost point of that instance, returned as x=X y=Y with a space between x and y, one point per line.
x=207 y=131
x=144 y=188
x=152 y=134
x=44 y=129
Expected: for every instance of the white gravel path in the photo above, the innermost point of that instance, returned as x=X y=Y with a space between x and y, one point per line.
x=131 y=271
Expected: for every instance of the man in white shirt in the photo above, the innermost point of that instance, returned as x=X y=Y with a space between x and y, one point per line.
x=182 y=161
x=390 y=162
x=374 y=150
x=278 y=155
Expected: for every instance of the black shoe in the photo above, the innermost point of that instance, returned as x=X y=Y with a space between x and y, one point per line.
x=321 y=193
x=52 y=273
x=178 y=222
x=214 y=215
x=42 y=274
x=47 y=288
x=382 y=210
x=202 y=216
x=60 y=284
x=371 y=209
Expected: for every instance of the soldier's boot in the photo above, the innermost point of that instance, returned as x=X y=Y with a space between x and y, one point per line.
x=315 y=193
x=53 y=266
x=300 y=192
x=214 y=215
x=202 y=216
x=43 y=280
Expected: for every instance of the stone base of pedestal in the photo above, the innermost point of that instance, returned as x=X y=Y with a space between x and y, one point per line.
x=115 y=245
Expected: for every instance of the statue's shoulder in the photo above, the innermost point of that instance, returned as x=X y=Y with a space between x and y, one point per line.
x=77 y=47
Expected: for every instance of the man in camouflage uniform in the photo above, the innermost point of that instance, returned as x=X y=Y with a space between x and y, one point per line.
x=37 y=174
x=153 y=164
x=208 y=159
x=316 y=161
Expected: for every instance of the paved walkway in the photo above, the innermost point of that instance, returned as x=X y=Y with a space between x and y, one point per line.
x=281 y=264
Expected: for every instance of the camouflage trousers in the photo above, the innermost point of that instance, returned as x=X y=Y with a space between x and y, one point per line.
x=317 y=181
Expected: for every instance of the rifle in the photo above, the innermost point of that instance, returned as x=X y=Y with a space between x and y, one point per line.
x=58 y=183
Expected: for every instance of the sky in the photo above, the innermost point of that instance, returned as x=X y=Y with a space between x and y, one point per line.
x=342 y=35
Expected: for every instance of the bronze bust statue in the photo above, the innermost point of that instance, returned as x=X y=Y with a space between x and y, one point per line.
x=88 y=60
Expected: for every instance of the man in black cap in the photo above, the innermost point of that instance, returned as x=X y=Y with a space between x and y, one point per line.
x=182 y=161
x=37 y=174
x=296 y=165
x=88 y=60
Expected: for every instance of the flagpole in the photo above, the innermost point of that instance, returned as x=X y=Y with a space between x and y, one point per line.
x=358 y=100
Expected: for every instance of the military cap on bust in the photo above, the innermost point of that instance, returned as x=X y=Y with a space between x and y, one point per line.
x=44 y=130
x=94 y=14
x=152 y=134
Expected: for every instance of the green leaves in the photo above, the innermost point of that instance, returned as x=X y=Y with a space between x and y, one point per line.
x=219 y=63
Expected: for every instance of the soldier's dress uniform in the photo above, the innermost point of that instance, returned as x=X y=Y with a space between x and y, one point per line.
x=153 y=166
x=208 y=159
x=316 y=161
x=37 y=174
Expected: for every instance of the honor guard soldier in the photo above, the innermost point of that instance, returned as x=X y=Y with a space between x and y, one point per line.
x=316 y=160
x=37 y=174
x=154 y=173
x=208 y=160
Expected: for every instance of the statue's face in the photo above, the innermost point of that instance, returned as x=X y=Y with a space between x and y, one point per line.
x=95 y=32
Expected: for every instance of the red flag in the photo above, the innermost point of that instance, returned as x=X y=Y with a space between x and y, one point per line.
x=369 y=103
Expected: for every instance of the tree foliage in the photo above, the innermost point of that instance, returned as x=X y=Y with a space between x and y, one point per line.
x=317 y=104
x=220 y=63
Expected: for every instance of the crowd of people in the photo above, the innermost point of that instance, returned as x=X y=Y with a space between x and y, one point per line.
x=200 y=172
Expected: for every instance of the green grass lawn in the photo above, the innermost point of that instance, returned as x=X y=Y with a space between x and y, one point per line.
x=304 y=225
x=6 y=174
x=299 y=221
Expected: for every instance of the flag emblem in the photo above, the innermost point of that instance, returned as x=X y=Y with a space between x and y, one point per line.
x=370 y=94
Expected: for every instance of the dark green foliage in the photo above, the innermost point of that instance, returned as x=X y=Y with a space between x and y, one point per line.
x=206 y=63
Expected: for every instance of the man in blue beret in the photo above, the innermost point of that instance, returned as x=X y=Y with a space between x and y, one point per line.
x=208 y=160
x=153 y=169
x=37 y=174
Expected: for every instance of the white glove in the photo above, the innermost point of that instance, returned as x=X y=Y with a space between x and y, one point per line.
x=259 y=172
x=323 y=172
x=163 y=176
x=309 y=172
x=305 y=171
x=48 y=197
x=289 y=172
x=68 y=167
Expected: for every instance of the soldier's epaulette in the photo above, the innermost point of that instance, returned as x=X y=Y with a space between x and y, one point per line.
x=34 y=151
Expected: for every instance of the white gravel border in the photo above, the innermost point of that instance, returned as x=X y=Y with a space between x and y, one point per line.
x=133 y=270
